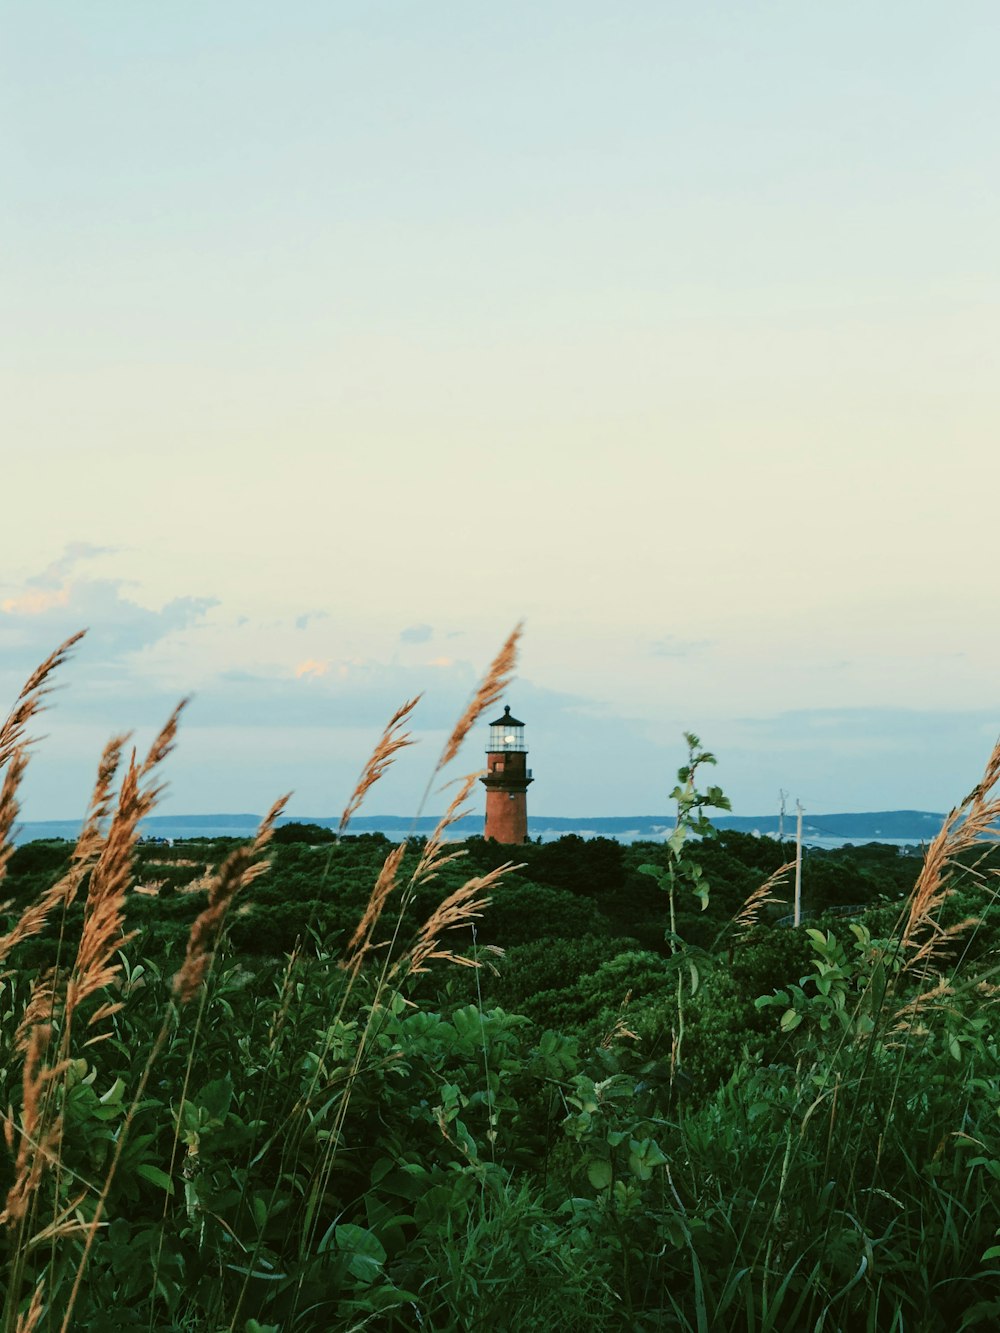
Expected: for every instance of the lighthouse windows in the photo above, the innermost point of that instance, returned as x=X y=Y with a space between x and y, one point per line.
x=506 y=776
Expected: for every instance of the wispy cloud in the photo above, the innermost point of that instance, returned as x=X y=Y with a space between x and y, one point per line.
x=35 y=601
x=51 y=605
x=853 y=758
x=311 y=667
x=416 y=634
x=671 y=646
x=55 y=574
x=307 y=618
x=51 y=588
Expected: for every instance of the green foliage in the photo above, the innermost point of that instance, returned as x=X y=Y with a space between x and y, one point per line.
x=531 y=1145
x=523 y=912
x=844 y=990
x=682 y=871
x=296 y=832
x=594 y=866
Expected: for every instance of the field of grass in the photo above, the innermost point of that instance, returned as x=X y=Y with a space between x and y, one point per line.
x=302 y=1085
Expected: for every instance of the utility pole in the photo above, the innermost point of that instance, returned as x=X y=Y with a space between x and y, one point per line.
x=782 y=796
x=798 y=863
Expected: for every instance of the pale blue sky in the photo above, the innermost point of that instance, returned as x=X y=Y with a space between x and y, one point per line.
x=338 y=337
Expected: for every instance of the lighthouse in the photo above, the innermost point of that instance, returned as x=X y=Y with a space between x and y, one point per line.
x=506 y=781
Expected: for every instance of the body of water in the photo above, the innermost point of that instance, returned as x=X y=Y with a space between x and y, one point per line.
x=243 y=826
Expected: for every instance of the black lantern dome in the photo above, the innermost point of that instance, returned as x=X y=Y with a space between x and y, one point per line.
x=507 y=735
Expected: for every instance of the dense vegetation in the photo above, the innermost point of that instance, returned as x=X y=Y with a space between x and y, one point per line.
x=353 y=1093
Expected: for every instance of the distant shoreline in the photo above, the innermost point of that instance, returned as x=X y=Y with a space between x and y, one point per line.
x=889 y=826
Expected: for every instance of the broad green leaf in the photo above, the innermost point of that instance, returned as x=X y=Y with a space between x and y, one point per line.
x=365 y=1251
x=155 y=1176
x=676 y=840
x=215 y=1097
x=114 y=1094
x=599 y=1173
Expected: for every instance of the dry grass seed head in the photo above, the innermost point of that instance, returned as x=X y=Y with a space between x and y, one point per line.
x=460 y=908
x=104 y=911
x=903 y=1018
x=240 y=868
x=746 y=918
x=37 y=1139
x=30 y=700
x=432 y=857
x=91 y=839
x=29 y=1319
x=102 y=934
x=39 y=1011
x=9 y=807
x=360 y=944
x=969 y=824
x=938 y=939
x=620 y=1028
x=88 y=847
x=392 y=740
x=491 y=688
x=14 y=758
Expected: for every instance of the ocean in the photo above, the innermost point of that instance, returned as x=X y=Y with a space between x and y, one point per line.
x=394 y=827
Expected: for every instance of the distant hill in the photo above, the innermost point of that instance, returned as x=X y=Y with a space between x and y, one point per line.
x=920 y=825
x=863 y=826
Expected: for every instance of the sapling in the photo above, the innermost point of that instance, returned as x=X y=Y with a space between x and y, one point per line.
x=684 y=871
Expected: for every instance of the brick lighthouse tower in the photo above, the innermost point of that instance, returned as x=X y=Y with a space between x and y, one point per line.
x=506 y=781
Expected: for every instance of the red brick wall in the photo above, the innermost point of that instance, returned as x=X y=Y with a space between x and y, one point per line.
x=506 y=815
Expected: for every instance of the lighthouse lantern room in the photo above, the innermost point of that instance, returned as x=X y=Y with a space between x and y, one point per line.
x=506 y=781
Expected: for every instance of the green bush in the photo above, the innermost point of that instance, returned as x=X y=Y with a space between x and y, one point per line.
x=326 y=1119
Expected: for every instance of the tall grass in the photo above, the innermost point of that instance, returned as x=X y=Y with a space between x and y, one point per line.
x=45 y=1036
x=326 y=1144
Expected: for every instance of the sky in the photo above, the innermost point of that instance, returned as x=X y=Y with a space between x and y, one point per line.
x=339 y=337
